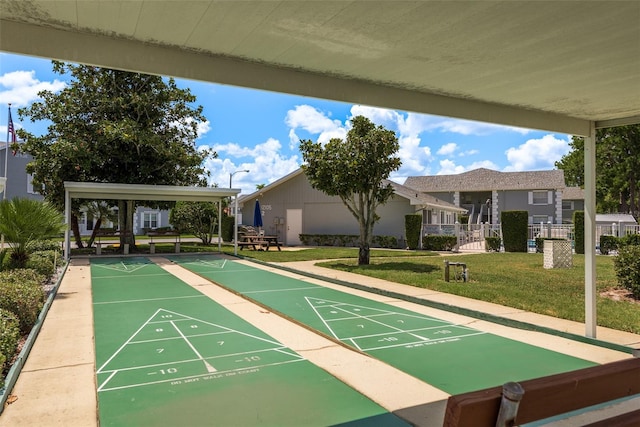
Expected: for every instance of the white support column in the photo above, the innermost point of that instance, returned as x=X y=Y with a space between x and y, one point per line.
x=590 y=232
x=220 y=225
x=67 y=221
x=235 y=226
x=494 y=207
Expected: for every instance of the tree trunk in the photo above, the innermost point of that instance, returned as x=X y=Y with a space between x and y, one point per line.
x=76 y=231
x=364 y=254
x=125 y=222
x=96 y=228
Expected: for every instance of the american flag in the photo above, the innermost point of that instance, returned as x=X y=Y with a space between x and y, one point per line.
x=11 y=135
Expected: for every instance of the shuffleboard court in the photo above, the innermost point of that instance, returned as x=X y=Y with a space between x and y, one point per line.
x=167 y=355
x=453 y=358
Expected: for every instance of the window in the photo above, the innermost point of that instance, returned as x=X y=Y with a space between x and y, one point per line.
x=150 y=219
x=540 y=197
x=537 y=219
x=567 y=205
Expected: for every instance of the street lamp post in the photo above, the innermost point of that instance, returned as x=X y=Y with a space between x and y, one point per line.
x=235 y=210
x=233 y=173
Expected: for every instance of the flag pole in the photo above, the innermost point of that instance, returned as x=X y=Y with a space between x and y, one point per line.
x=6 y=162
x=10 y=131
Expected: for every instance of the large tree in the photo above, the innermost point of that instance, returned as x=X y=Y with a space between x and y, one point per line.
x=354 y=170
x=114 y=126
x=617 y=165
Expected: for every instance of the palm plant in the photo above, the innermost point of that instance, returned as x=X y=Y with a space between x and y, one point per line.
x=23 y=222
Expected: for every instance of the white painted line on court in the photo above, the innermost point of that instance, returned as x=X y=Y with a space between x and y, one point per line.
x=148 y=299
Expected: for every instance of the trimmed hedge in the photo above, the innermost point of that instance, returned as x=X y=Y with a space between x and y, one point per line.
x=515 y=230
x=627 y=266
x=492 y=244
x=346 y=240
x=439 y=242
x=412 y=227
x=578 y=231
x=21 y=292
x=9 y=335
x=630 y=239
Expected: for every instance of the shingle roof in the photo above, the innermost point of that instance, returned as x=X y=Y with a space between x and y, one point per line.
x=573 y=193
x=486 y=180
x=418 y=198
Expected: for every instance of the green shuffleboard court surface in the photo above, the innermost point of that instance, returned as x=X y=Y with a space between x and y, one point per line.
x=166 y=355
x=454 y=358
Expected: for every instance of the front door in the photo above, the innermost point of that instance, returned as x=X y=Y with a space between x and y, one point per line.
x=294 y=227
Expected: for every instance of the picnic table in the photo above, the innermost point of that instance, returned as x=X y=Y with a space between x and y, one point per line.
x=258 y=242
x=174 y=237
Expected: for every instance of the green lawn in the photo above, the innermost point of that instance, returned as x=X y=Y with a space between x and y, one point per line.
x=512 y=279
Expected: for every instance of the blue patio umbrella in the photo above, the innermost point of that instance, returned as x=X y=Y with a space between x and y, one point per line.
x=257 y=216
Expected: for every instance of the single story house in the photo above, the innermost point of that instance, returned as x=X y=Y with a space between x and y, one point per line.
x=291 y=206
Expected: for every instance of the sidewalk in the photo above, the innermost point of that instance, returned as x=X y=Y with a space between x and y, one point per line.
x=57 y=384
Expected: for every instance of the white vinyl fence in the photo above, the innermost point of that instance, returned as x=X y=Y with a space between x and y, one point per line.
x=471 y=237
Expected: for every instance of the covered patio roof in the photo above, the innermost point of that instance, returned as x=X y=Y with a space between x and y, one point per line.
x=110 y=191
x=562 y=66
x=140 y=192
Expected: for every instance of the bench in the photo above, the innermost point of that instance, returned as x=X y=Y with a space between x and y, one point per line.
x=540 y=398
x=110 y=235
x=254 y=243
x=175 y=241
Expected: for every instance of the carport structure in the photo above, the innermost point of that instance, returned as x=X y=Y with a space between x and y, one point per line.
x=141 y=192
x=562 y=66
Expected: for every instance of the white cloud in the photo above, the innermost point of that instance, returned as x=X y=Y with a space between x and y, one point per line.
x=449 y=167
x=469 y=153
x=380 y=116
x=203 y=128
x=20 y=88
x=447 y=149
x=264 y=162
x=536 y=154
x=313 y=121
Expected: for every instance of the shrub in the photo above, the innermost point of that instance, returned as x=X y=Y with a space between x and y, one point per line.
x=228 y=222
x=627 y=266
x=492 y=244
x=608 y=244
x=4 y=258
x=385 y=241
x=515 y=230
x=44 y=262
x=21 y=293
x=2 y=360
x=45 y=245
x=9 y=334
x=412 y=226
x=631 y=239
x=578 y=227
x=439 y=242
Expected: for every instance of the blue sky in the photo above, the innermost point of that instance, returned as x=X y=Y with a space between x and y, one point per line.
x=259 y=131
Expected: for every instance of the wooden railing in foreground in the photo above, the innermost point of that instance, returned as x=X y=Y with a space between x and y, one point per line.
x=549 y=396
